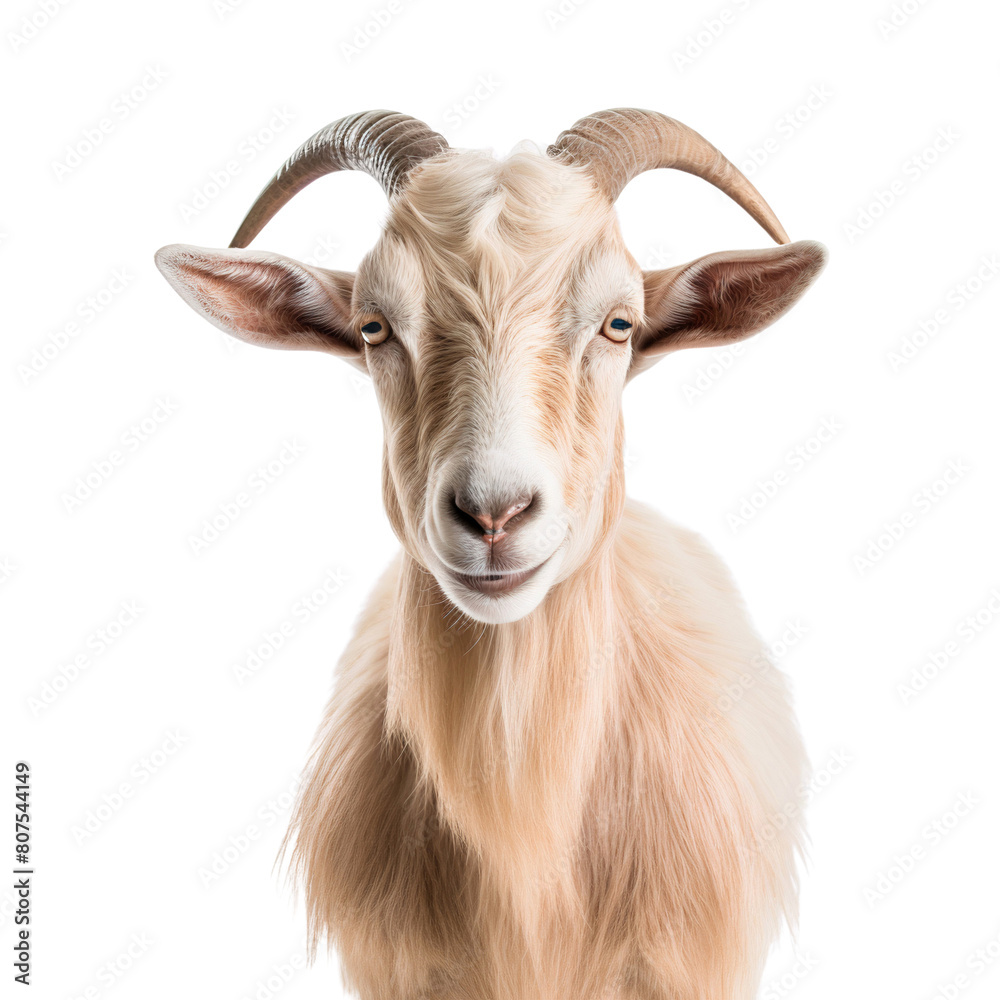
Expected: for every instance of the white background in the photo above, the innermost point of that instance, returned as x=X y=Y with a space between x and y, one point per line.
x=243 y=83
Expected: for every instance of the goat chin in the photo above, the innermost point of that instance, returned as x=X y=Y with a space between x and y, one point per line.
x=504 y=608
x=601 y=798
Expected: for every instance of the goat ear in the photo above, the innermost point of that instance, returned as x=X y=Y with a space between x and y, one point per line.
x=723 y=297
x=266 y=299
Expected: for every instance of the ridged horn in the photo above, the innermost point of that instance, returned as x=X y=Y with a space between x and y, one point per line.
x=384 y=144
x=621 y=143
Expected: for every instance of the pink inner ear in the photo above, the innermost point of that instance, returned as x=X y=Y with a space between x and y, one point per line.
x=242 y=301
x=725 y=296
x=266 y=299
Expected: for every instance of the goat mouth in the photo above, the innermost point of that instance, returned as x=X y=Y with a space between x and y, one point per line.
x=497 y=584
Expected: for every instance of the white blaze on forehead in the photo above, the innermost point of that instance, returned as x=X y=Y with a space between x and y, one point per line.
x=504 y=421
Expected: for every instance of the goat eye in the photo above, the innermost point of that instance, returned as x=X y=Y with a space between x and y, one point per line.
x=617 y=328
x=374 y=328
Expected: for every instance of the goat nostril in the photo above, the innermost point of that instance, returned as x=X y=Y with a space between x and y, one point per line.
x=462 y=512
x=514 y=510
x=490 y=523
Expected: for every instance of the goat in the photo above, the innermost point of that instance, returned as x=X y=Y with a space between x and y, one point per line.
x=530 y=781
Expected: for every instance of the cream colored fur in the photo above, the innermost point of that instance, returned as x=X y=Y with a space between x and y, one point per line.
x=564 y=808
x=553 y=795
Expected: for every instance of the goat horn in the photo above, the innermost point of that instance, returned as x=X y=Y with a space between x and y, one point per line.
x=619 y=144
x=384 y=144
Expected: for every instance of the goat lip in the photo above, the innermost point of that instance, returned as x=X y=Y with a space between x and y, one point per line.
x=497 y=584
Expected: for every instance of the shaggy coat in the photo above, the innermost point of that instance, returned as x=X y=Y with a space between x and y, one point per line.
x=601 y=800
x=556 y=764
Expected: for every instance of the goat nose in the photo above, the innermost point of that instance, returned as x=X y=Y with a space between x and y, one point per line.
x=490 y=520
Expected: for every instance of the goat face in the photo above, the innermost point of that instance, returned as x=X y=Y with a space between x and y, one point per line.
x=499 y=317
x=492 y=286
